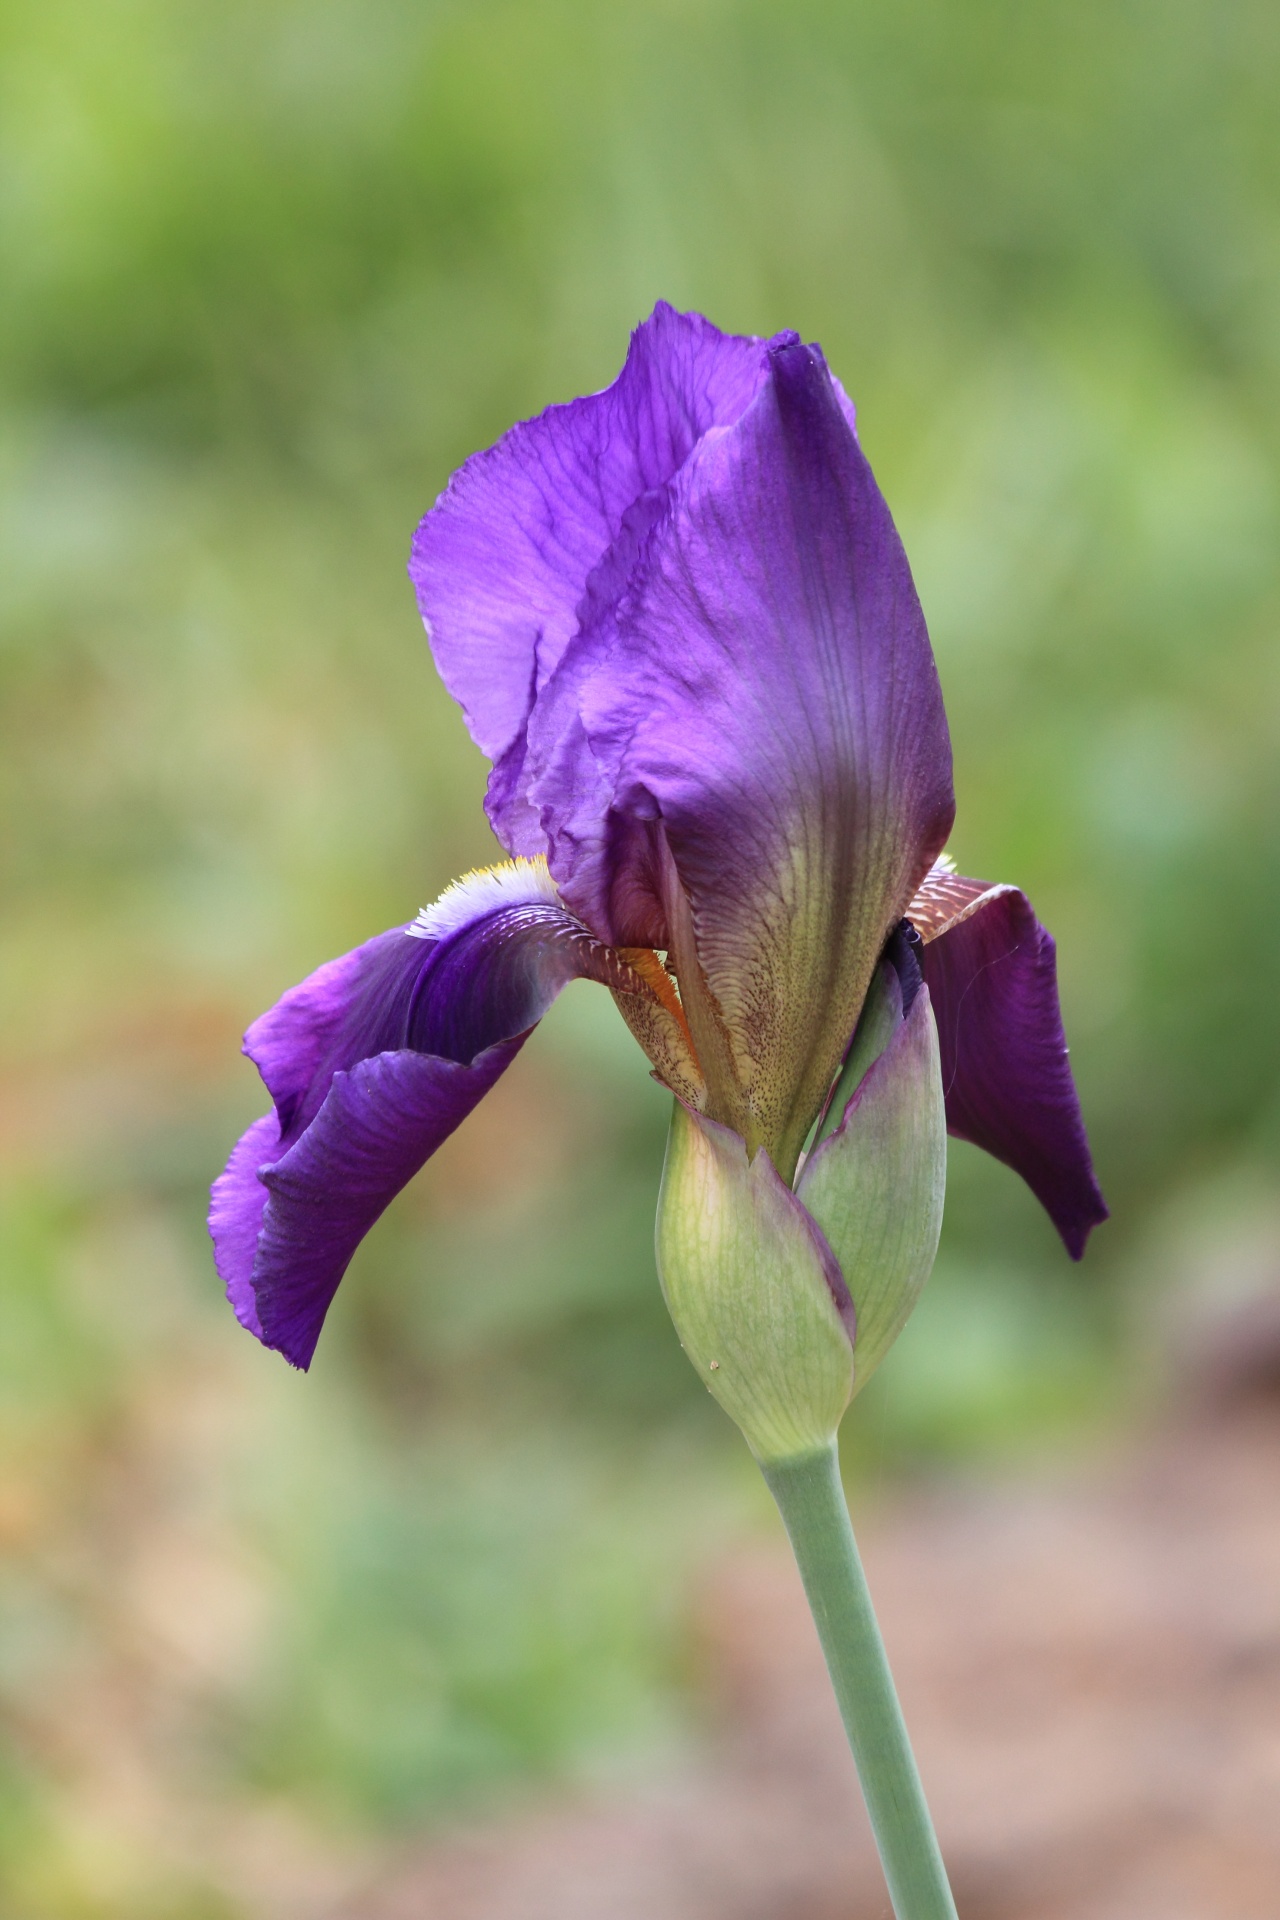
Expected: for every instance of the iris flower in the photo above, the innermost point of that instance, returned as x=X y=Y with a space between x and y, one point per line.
x=681 y=625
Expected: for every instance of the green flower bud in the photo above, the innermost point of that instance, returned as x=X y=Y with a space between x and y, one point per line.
x=753 y=1289
x=786 y=1302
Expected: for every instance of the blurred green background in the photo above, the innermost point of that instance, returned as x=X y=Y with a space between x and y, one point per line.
x=268 y=272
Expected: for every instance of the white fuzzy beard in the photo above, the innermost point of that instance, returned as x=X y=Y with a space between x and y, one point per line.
x=514 y=883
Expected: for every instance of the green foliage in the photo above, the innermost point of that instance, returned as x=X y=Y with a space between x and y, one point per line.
x=271 y=271
x=462 y=1623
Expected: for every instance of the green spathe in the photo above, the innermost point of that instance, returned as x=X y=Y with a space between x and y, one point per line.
x=876 y=1184
x=878 y=1023
x=787 y=1302
x=752 y=1288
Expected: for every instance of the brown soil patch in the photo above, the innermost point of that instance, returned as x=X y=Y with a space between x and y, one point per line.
x=1091 y=1671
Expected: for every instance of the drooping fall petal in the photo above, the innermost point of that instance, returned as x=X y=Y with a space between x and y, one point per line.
x=372 y=1063
x=991 y=970
x=379 y=1123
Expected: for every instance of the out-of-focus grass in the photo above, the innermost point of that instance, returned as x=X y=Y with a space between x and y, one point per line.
x=270 y=272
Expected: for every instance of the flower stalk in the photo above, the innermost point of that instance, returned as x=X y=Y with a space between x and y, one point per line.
x=811 y=1500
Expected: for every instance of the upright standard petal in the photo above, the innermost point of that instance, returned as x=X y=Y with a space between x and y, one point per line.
x=746 y=758
x=372 y=1063
x=991 y=970
x=503 y=560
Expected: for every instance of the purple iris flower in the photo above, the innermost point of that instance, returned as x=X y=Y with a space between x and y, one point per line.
x=680 y=623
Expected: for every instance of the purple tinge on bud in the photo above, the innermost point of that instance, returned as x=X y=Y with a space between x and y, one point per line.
x=372 y=1062
x=991 y=970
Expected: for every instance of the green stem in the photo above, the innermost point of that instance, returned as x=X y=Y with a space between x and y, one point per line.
x=811 y=1501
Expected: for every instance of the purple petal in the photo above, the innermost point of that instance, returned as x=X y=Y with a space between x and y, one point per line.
x=346 y=1010
x=379 y=1123
x=504 y=558
x=372 y=1062
x=236 y=1207
x=763 y=703
x=498 y=977
x=992 y=976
